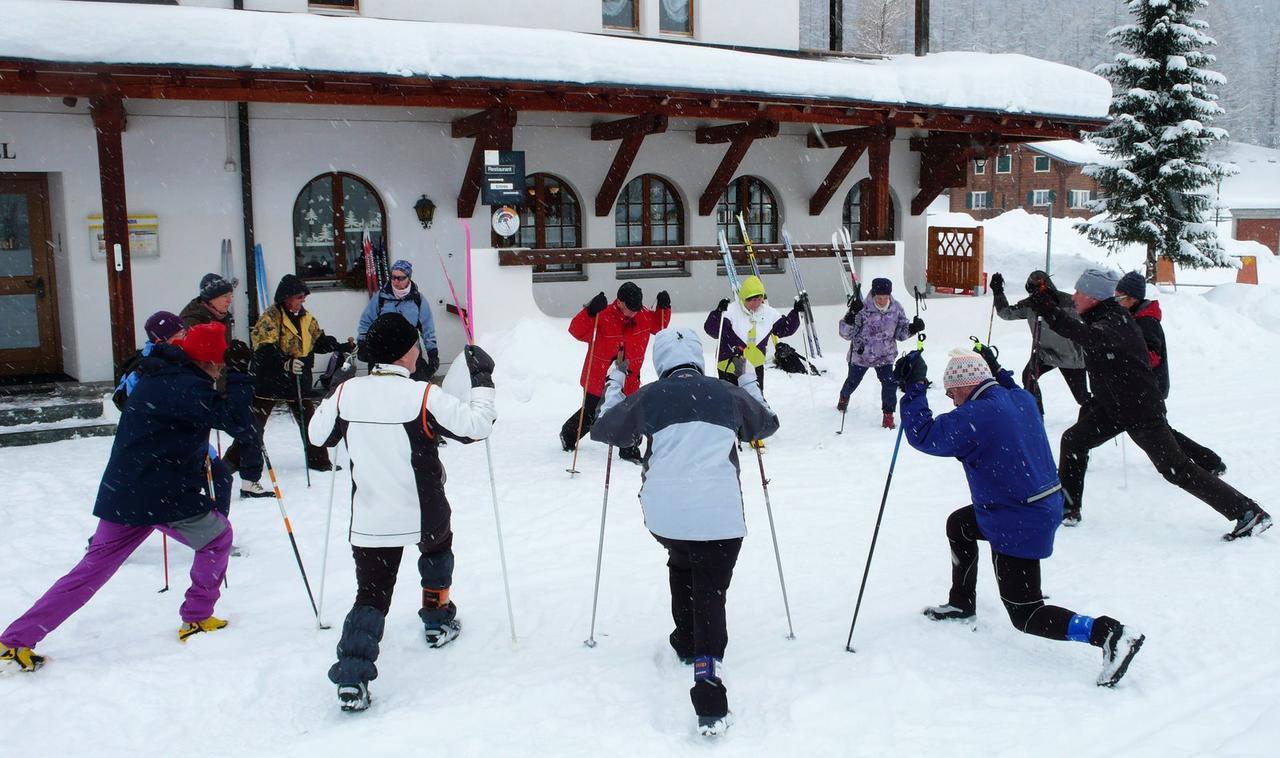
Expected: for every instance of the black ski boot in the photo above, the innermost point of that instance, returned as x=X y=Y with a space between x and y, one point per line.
x=1253 y=522
x=947 y=612
x=354 y=697
x=440 y=621
x=1119 y=647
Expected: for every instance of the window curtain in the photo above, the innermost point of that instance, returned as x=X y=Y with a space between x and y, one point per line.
x=675 y=10
x=613 y=8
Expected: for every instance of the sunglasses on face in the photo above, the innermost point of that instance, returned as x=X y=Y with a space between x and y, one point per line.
x=395 y=278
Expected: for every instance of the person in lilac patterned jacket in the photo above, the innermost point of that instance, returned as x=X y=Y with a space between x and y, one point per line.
x=873 y=327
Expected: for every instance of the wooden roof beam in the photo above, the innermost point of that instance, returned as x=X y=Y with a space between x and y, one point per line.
x=632 y=132
x=492 y=130
x=845 y=138
x=740 y=137
x=944 y=163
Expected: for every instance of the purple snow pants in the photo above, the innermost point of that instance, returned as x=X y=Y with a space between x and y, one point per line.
x=112 y=545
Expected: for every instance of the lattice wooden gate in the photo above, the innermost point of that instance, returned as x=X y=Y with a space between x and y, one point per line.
x=955 y=259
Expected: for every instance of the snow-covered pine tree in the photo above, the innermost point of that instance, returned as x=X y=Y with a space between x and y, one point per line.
x=1154 y=189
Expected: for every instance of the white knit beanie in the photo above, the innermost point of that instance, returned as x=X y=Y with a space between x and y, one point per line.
x=965 y=369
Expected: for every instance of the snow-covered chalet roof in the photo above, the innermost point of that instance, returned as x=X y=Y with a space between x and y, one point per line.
x=1257 y=186
x=1068 y=151
x=127 y=34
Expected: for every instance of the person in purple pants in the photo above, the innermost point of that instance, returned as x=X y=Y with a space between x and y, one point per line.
x=155 y=480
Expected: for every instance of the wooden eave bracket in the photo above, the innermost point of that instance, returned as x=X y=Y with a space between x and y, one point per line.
x=492 y=130
x=739 y=136
x=944 y=161
x=855 y=143
x=632 y=132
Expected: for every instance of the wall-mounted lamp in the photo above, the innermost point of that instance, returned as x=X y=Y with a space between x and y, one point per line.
x=426 y=211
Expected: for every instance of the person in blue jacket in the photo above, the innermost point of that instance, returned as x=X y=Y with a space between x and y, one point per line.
x=997 y=434
x=401 y=295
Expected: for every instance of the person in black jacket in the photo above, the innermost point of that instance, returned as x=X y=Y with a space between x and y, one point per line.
x=1050 y=349
x=1126 y=398
x=156 y=480
x=1131 y=293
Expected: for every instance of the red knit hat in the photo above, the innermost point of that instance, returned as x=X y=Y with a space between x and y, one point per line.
x=205 y=342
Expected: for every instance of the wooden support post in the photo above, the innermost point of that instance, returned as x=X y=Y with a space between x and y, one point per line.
x=109 y=123
x=739 y=136
x=876 y=204
x=632 y=132
x=944 y=162
x=492 y=130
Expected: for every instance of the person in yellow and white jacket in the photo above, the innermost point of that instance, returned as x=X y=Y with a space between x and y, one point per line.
x=391 y=425
x=746 y=327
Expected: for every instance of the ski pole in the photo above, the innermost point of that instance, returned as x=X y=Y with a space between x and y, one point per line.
x=1124 y=462
x=764 y=483
x=875 y=534
x=582 y=410
x=843 y=413
x=328 y=524
x=288 y=527
x=164 y=543
x=590 y=641
x=991 y=320
x=302 y=430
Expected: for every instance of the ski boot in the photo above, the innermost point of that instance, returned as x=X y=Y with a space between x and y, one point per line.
x=354 y=697
x=26 y=658
x=254 y=489
x=1071 y=517
x=887 y=421
x=631 y=454
x=714 y=726
x=1118 y=650
x=947 y=612
x=439 y=617
x=192 y=628
x=1253 y=522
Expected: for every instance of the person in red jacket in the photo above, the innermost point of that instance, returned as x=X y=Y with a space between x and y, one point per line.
x=626 y=325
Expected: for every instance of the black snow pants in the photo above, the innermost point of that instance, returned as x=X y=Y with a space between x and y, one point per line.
x=1018 y=580
x=376 y=569
x=700 y=573
x=569 y=435
x=1159 y=442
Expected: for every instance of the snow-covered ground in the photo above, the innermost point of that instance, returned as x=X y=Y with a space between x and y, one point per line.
x=1207 y=682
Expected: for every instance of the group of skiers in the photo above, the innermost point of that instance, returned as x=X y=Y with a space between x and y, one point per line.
x=193 y=378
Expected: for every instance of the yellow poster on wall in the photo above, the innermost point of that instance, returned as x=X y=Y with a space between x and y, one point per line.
x=144 y=237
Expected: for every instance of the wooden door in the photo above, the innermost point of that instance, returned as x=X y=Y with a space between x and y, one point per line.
x=30 y=342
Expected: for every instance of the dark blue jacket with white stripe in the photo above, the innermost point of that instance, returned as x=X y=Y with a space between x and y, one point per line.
x=693 y=422
x=998 y=436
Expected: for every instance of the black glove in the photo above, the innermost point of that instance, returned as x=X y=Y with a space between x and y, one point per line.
x=723 y=305
x=346 y=347
x=664 y=300
x=597 y=304
x=433 y=361
x=237 y=357
x=802 y=300
x=917 y=326
x=856 y=305
x=997 y=284
x=326 y=344
x=361 y=353
x=910 y=369
x=739 y=362
x=480 y=365
x=989 y=354
x=1043 y=302
x=850 y=316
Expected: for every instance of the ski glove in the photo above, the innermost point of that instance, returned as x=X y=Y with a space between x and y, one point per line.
x=802 y=300
x=664 y=300
x=910 y=369
x=237 y=357
x=997 y=284
x=989 y=354
x=480 y=365
x=1043 y=302
x=739 y=362
x=294 y=366
x=326 y=344
x=597 y=304
x=723 y=305
x=433 y=361
x=917 y=326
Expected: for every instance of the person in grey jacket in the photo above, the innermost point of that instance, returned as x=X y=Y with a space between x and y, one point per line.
x=1052 y=349
x=401 y=295
x=691 y=494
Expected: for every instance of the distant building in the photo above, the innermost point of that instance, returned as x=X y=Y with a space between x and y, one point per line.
x=1252 y=197
x=1023 y=175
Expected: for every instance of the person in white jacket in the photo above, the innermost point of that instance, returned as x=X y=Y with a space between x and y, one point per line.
x=391 y=425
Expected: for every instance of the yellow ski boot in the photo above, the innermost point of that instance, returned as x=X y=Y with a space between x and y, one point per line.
x=26 y=658
x=192 y=628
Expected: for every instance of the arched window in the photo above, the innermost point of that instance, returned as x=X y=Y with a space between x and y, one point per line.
x=330 y=218
x=754 y=200
x=550 y=219
x=853 y=211
x=648 y=214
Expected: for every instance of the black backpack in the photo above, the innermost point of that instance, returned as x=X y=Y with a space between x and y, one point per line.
x=786 y=358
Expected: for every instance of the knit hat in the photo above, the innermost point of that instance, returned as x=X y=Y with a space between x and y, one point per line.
x=403 y=265
x=1098 y=283
x=289 y=286
x=1133 y=285
x=965 y=369
x=162 y=325
x=212 y=285
x=389 y=338
x=631 y=296
x=881 y=286
x=205 y=342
